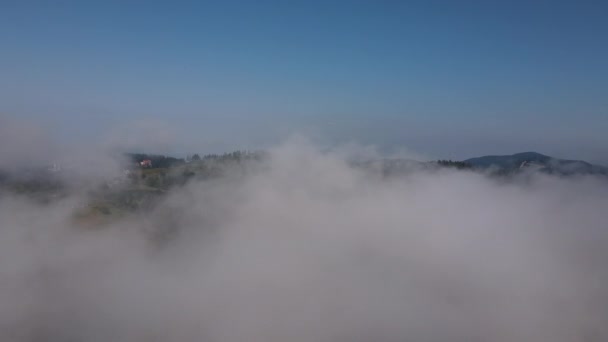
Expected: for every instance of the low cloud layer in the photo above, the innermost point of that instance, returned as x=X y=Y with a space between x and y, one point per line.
x=306 y=247
x=24 y=144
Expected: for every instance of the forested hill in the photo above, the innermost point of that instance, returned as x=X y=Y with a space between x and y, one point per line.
x=536 y=161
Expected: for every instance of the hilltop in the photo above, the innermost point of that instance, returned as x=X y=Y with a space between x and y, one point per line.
x=535 y=161
x=147 y=178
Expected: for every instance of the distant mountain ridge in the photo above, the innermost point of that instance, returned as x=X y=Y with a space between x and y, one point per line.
x=537 y=161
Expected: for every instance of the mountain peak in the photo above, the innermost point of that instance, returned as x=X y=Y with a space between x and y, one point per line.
x=530 y=154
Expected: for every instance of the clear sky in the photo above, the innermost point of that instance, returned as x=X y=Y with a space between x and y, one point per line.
x=448 y=79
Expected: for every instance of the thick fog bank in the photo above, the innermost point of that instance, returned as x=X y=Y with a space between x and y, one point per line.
x=308 y=248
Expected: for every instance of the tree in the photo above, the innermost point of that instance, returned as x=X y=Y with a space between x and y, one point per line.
x=196 y=157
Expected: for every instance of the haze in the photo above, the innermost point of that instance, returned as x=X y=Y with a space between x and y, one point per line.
x=269 y=171
x=449 y=80
x=303 y=246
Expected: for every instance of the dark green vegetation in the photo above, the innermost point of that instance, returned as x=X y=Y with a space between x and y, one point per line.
x=167 y=172
x=137 y=190
x=454 y=164
x=536 y=161
x=161 y=161
x=39 y=185
x=141 y=186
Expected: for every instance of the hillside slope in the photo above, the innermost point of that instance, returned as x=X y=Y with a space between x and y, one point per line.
x=539 y=161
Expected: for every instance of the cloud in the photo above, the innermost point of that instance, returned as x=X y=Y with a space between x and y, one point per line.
x=306 y=247
x=24 y=143
x=144 y=135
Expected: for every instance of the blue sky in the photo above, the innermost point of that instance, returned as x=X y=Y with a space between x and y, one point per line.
x=448 y=79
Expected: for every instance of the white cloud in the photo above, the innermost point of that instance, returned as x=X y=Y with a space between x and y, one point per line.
x=307 y=248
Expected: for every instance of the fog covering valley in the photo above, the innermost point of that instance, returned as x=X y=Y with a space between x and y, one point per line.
x=298 y=243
